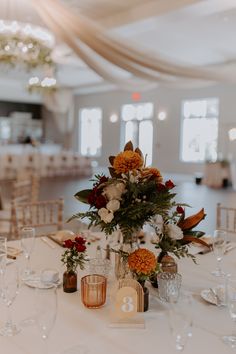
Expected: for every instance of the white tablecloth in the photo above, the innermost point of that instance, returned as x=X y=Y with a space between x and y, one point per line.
x=76 y=324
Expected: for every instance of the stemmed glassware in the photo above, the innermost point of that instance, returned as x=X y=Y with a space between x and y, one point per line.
x=3 y=254
x=9 y=290
x=231 y=303
x=27 y=244
x=45 y=311
x=219 y=243
x=180 y=320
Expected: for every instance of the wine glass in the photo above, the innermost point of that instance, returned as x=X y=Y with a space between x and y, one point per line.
x=219 y=243
x=45 y=311
x=9 y=290
x=3 y=253
x=27 y=244
x=231 y=303
x=180 y=320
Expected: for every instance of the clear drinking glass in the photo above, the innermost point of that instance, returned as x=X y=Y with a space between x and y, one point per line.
x=181 y=320
x=45 y=311
x=219 y=243
x=9 y=290
x=27 y=244
x=231 y=303
x=169 y=286
x=3 y=254
x=100 y=266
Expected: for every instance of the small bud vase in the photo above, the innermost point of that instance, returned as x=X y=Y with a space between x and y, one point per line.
x=70 y=281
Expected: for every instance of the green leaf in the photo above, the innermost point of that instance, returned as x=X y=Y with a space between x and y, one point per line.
x=82 y=196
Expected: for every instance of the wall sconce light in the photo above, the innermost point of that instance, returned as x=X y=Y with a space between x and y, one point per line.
x=113 y=118
x=162 y=115
x=232 y=134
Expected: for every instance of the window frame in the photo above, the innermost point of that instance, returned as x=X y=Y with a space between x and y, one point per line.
x=99 y=153
x=182 y=125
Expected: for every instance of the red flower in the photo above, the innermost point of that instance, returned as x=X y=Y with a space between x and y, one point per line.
x=169 y=184
x=103 y=179
x=68 y=243
x=80 y=248
x=179 y=209
x=92 y=197
x=80 y=240
x=161 y=187
x=100 y=202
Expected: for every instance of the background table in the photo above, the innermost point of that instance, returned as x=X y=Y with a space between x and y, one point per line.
x=76 y=324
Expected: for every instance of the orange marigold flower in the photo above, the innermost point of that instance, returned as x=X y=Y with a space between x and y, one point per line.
x=142 y=261
x=127 y=161
x=152 y=172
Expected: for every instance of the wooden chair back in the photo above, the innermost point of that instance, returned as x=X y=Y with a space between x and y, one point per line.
x=45 y=216
x=226 y=218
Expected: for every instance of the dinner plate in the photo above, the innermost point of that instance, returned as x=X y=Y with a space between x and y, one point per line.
x=35 y=282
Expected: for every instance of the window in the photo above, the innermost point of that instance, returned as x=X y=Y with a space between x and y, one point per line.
x=137 y=126
x=200 y=130
x=90 y=131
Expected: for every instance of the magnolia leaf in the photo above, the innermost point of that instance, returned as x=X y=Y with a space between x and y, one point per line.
x=111 y=159
x=112 y=172
x=194 y=233
x=188 y=239
x=139 y=152
x=82 y=196
x=192 y=221
x=129 y=146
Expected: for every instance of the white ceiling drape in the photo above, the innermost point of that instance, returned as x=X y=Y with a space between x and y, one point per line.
x=96 y=47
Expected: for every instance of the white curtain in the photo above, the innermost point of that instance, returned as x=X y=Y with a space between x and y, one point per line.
x=61 y=104
x=96 y=47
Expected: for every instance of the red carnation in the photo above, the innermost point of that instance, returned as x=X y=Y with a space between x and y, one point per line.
x=68 y=243
x=100 y=202
x=179 y=209
x=169 y=184
x=80 y=240
x=80 y=248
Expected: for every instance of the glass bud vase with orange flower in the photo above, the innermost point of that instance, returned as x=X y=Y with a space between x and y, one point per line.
x=143 y=265
x=74 y=256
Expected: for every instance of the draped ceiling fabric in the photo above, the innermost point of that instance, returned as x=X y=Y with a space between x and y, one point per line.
x=96 y=48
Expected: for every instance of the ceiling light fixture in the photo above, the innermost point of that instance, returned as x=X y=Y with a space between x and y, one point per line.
x=162 y=115
x=232 y=134
x=23 y=43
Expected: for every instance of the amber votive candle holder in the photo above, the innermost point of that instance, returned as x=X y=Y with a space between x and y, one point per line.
x=93 y=290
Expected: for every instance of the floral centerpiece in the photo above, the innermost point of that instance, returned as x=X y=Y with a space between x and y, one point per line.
x=74 y=256
x=131 y=196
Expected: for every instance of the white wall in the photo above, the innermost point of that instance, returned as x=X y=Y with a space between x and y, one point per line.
x=167 y=133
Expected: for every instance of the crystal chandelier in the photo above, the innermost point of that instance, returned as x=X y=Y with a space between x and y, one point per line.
x=25 y=44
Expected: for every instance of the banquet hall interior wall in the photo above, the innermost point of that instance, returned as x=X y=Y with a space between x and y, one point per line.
x=167 y=133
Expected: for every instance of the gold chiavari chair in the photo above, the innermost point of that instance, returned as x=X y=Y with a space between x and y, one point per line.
x=45 y=216
x=226 y=219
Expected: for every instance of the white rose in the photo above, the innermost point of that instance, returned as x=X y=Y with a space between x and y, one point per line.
x=105 y=215
x=174 y=232
x=113 y=205
x=114 y=191
x=158 y=222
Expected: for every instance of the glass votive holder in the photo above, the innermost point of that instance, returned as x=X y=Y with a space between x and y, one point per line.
x=99 y=266
x=93 y=290
x=169 y=286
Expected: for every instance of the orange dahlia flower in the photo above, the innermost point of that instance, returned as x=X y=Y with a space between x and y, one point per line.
x=127 y=161
x=152 y=172
x=142 y=261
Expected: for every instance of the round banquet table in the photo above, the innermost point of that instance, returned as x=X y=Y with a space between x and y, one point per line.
x=77 y=325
